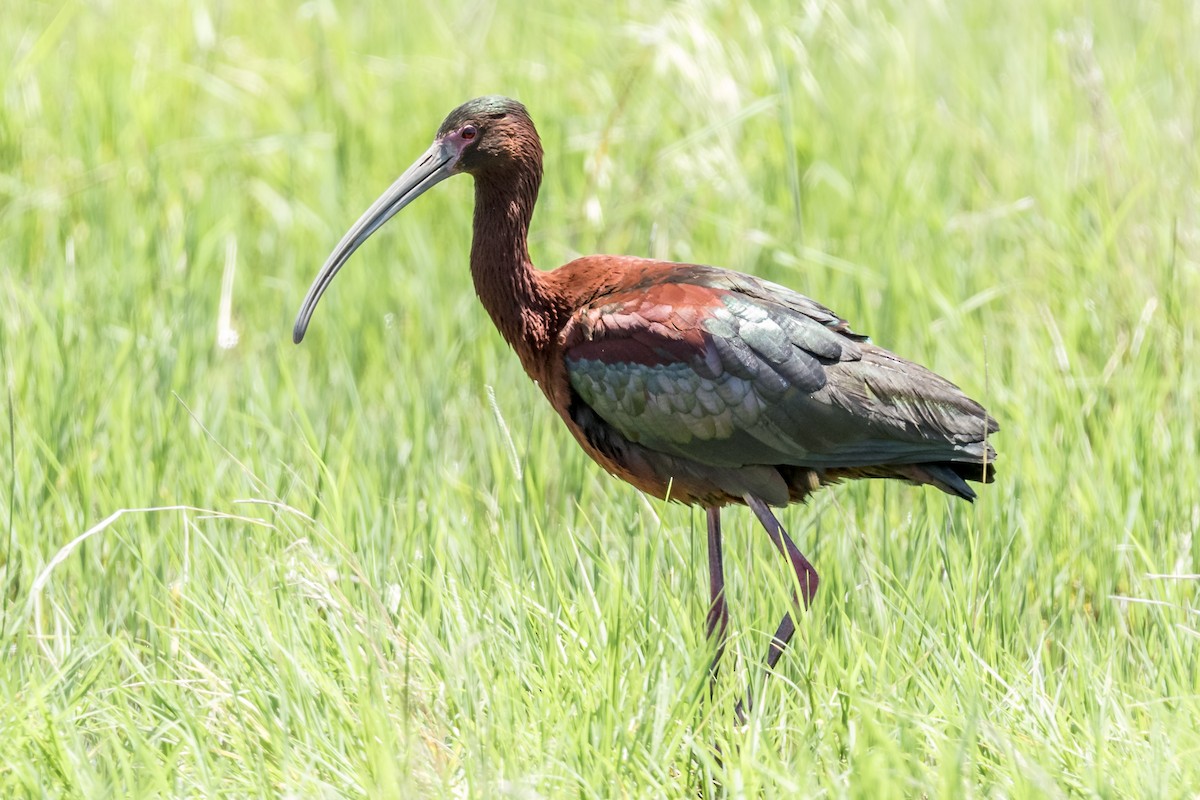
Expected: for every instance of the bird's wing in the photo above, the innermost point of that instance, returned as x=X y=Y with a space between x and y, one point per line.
x=730 y=371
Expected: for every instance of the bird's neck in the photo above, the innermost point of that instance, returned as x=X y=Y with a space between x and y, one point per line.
x=513 y=291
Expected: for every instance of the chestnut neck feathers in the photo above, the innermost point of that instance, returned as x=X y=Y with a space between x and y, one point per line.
x=518 y=297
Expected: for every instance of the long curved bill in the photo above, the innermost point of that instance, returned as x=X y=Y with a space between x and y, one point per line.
x=434 y=166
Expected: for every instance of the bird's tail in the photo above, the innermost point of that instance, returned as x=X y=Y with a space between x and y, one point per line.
x=952 y=476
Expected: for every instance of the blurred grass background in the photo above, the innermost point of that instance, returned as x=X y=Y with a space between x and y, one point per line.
x=361 y=588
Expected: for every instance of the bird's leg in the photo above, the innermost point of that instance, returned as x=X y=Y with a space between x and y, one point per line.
x=718 y=613
x=806 y=579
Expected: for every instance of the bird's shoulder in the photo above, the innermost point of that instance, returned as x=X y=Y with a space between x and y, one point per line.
x=625 y=305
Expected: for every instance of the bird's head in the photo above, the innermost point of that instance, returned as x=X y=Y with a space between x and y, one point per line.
x=482 y=135
x=488 y=132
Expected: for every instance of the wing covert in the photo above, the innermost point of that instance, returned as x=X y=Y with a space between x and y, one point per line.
x=702 y=372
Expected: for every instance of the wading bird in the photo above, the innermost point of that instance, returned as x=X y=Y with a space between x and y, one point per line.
x=694 y=384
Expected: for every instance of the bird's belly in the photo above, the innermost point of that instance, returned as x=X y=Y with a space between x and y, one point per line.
x=679 y=479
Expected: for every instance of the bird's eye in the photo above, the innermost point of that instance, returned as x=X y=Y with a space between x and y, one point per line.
x=469 y=132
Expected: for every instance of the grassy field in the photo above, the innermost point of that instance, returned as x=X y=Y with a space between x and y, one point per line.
x=376 y=565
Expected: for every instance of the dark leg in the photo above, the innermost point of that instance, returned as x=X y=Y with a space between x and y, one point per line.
x=718 y=614
x=806 y=578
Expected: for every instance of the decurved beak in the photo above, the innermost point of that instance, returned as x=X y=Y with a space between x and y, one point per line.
x=434 y=166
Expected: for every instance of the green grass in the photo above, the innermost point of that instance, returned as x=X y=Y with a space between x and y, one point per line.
x=364 y=589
